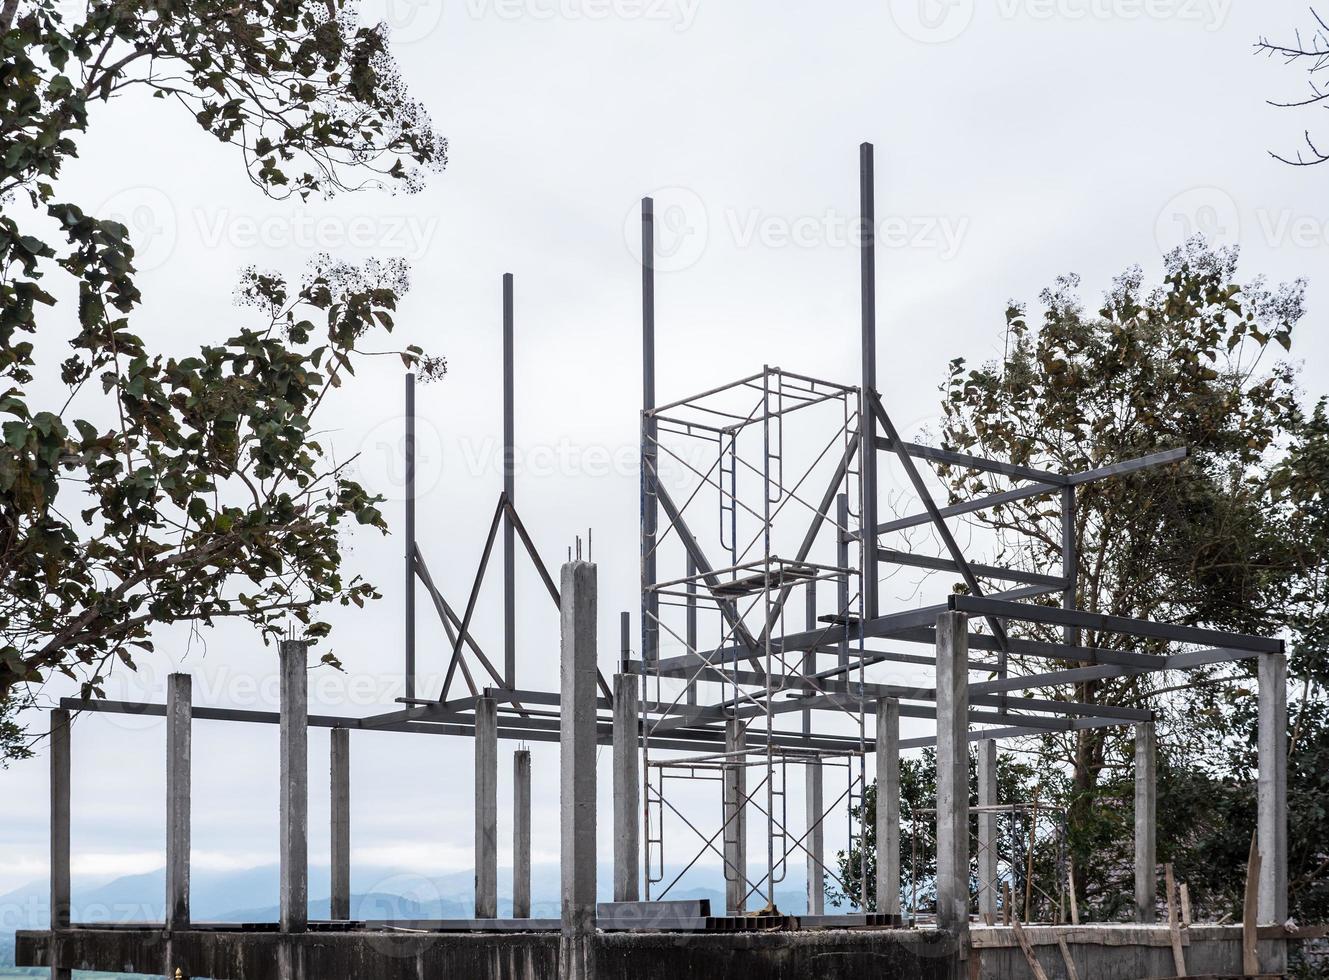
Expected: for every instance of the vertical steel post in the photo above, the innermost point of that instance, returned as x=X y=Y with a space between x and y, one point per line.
x=409 y=535
x=1146 y=816
x=1070 y=562
x=691 y=624
x=486 y=808
x=60 y=787
x=521 y=834
x=179 y=717
x=509 y=491
x=888 y=806
x=842 y=580
x=294 y=807
x=340 y=778
x=867 y=423
x=650 y=510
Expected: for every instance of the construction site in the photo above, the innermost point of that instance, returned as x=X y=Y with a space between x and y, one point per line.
x=763 y=658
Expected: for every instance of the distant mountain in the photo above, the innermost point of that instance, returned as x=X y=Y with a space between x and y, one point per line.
x=249 y=896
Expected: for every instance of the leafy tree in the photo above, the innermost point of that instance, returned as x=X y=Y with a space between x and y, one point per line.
x=1182 y=363
x=164 y=489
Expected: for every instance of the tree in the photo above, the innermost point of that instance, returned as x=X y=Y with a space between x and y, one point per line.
x=1311 y=52
x=183 y=489
x=1186 y=362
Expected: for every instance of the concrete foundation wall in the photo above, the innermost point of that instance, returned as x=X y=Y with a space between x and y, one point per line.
x=524 y=956
x=1112 y=953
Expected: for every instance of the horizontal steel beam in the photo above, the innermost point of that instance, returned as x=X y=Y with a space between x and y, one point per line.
x=1027 y=612
x=952 y=458
x=982 y=571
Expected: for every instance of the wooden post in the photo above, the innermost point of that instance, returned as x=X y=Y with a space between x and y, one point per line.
x=1173 y=922
x=1250 y=943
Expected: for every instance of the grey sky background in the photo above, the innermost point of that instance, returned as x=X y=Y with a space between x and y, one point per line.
x=1016 y=140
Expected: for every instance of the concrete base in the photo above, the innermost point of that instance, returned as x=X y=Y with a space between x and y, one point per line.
x=1112 y=952
x=838 y=955
x=1100 y=952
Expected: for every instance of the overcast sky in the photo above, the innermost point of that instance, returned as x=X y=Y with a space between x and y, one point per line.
x=1016 y=140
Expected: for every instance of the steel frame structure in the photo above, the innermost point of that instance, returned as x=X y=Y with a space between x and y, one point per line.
x=763 y=696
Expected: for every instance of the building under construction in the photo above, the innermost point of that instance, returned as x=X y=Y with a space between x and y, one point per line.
x=759 y=661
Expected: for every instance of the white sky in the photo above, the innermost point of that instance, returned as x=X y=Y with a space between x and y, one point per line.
x=1016 y=140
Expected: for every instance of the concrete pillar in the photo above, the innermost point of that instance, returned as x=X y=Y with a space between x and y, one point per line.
x=888 y=806
x=953 y=774
x=988 y=841
x=627 y=791
x=577 y=743
x=179 y=718
x=1146 y=826
x=816 y=839
x=1272 y=789
x=486 y=808
x=735 y=818
x=60 y=767
x=340 y=782
x=294 y=807
x=521 y=834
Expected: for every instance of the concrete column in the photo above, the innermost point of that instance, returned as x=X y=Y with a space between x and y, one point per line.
x=816 y=839
x=294 y=807
x=888 y=806
x=627 y=791
x=179 y=717
x=486 y=808
x=987 y=831
x=577 y=743
x=1272 y=789
x=340 y=782
x=1146 y=815
x=736 y=820
x=953 y=774
x=60 y=767
x=521 y=834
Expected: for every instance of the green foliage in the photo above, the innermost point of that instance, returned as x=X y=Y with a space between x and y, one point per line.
x=169 y=489
x=1234 y=538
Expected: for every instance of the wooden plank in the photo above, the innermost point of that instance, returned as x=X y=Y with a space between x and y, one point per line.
x=1250 y=949
x=1028 y=951
x=1174 y=922
x=1185 y=906
x=1075 y=905
x=1071 y=972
